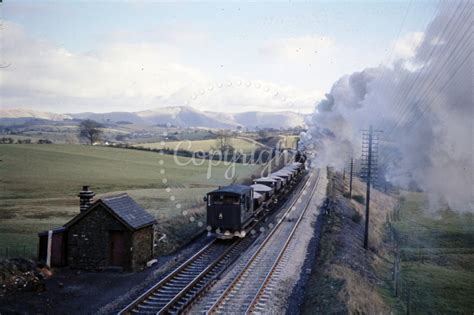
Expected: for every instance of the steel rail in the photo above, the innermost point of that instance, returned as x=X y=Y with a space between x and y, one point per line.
x=229 y=288
x=163 y=281
x=200 y=276
x=269 y=275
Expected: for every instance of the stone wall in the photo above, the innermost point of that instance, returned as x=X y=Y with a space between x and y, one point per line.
x=88 y=240
x=142 y=247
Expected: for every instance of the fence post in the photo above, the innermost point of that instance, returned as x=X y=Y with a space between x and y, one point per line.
x=408 y=300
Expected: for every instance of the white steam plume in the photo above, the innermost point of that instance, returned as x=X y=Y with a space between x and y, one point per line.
x=424 y=104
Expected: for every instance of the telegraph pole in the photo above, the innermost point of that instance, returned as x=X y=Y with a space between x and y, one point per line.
x=369 y=171
x=367 y=202
x=350 y=180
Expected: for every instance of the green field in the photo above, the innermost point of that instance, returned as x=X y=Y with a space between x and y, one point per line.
x=202 y=145
x=39 y=185
x=290 y=141
x=437 y=254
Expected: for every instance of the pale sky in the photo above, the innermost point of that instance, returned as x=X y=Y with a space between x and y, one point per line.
x=77 y=56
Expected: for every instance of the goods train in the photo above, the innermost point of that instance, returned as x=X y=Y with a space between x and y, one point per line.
x=231 y=209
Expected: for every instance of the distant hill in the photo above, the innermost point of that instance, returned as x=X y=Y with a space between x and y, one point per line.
x=182 y=116
x=26 y=113
x=110 y=117
x=263 y=119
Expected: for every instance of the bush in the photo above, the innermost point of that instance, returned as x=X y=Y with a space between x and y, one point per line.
x=356 y=217
x=45 y=141
x=24 y=141
x=6 y=140
x=359 y=198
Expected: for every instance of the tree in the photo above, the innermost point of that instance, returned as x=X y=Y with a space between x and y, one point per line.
x=91 y=130
x=221 y=139
x=262 y=134
x=44 y=141
x=6 y=140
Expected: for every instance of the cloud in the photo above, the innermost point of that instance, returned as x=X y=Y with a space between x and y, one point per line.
x=299 y=49
x=140 y=73
x=426 y=114
x=406 y=46
x=249 y=95
x=119 y=70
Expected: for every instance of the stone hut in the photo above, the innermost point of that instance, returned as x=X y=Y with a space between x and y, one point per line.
x=112 y=232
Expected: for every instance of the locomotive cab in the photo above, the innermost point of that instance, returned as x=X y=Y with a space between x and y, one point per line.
x=229 y=209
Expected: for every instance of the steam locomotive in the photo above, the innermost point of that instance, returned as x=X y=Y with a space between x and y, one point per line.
x=231 y=209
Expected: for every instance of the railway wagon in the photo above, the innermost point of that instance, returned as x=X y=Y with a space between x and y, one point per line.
x=290 y=171
x=266 y=191
x=281 y=179
x=258 y=200
x=294 y=170
x=299 y=167
x=285 y=175
x=229 y=210
x=272 y=182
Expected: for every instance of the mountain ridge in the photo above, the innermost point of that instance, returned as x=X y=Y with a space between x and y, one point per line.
x=182 y=116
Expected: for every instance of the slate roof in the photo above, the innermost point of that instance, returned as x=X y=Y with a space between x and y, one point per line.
x=129 y=211
x=124 y=208
x=233 y=189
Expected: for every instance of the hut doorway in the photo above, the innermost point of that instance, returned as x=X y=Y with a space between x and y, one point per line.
x=117 y=249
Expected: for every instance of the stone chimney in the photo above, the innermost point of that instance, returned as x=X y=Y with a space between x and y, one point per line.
x=85 y=197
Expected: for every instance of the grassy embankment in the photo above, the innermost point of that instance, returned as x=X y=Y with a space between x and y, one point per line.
x=344 y=278
x=435 y=273
x=39 y=186
x=436 y=252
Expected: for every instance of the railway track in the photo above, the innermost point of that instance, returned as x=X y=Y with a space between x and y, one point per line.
x=174 y=293
x=249 y=288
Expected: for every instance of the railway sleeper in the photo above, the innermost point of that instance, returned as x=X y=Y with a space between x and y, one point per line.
x=195 y=268
x=149 y=308
x=169 y=292
x=159 y=299
x=135 y=311
x=152 y=305
x=183 y=276
x=180 y=282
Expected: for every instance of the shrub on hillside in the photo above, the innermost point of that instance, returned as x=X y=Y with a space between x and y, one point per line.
x=356 y=217
x=359 y=198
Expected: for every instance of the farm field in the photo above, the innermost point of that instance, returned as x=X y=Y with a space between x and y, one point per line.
x=437 y=254
x=202 y=145
x=290 y=141
x=39 y=186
